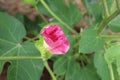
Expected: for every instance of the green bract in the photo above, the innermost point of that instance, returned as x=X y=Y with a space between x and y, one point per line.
x=45 y=54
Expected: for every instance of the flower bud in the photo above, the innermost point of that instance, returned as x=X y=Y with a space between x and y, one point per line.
x=55 y=40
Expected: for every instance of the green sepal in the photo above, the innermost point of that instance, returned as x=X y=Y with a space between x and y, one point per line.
x=48 y=55
x=45 y=54
x=40 y=45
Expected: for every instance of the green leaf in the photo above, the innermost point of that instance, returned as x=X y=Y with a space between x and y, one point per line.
x=93 y=8
x=69 y=14
x=114 y=24
x=1 y=65
x=25 y=69
x=60 y=66
x=115 y=70
x=11 y=44
x=88 y=73
x=112 y=53
x=109 y=3
x=90 y=42
x=111 y=6
x=73 y=43
x=73 y=71
x=20 y=17
x=118 y=66
x=101 y=66
x=32 y=26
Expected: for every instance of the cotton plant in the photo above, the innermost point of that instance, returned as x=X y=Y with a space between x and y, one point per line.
x=90 y=53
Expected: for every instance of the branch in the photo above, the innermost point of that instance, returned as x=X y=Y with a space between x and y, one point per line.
x=107 y=20
x=105 y=8
x=117 y=4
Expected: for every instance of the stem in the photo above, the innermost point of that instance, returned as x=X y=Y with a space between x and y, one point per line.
x=56 y=17
x=105 y=8
x=44 y=19
x=111 y=72
x=29 y=39
x=106 y=21
x=19 y=58
x=49 y=70
x=117 y=4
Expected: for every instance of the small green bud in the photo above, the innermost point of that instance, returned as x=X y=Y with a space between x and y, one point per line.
x=45 y=54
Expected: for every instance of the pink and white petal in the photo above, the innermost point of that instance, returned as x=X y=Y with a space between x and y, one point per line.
x=62 y=49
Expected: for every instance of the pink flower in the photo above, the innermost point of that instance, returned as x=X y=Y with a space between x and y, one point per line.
x=55 y=40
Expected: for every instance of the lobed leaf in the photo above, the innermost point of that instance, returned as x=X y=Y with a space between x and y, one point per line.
x=11 y=44
x=88 y=73
x=73 y=71
x=60 y=66
x=101 y=66
x=90 y=42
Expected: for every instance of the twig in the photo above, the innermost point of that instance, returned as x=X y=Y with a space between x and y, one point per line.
x=107 y=20
x=105 y=8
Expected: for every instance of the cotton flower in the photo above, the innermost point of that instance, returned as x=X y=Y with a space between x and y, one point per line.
x=55 y=40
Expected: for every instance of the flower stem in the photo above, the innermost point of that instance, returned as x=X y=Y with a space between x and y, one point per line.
x=105 y=8
x=19 y=58
x=29 y=39
x=111 y=72
x=56 y=17
x=49 y=70
x=107 y=20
